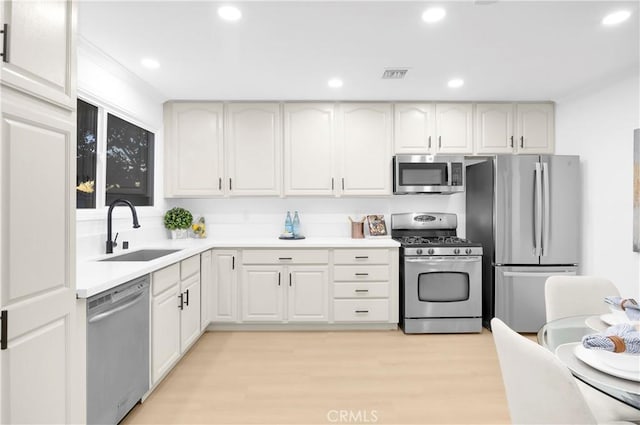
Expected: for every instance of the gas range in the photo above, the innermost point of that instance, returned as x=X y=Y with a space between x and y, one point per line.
x=440 y=275
x=431 y=234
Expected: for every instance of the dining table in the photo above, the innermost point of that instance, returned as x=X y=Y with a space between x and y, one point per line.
x=562 y=336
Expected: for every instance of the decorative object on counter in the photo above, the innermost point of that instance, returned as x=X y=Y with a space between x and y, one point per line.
x=199 y=229
x=291 y=227
x=296 y=224
x=357 y=228
x=178 y=220
x=288 y=225
x=377 y=226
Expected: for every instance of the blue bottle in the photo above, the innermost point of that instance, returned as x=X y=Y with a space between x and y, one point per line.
x=288 y=224
x=296 y=224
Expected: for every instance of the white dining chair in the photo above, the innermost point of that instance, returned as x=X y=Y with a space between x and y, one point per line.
x=540 y=389
x=567 y=296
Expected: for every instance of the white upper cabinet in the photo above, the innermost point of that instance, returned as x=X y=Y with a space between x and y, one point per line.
x=193 y=149
x=253 y=147
x=309 y=149
x=494 y=128
x=514 y=128
x=365 y=141
x=535 y=127
x=454 y=128
x=414 y=128
x=39 y=58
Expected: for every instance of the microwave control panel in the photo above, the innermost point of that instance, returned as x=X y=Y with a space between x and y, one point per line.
x=456 y=174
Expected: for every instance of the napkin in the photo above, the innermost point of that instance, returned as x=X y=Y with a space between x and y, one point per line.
x=624 y=337
x=630 y=306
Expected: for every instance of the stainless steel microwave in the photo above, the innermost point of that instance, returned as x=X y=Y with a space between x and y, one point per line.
x=413 y=174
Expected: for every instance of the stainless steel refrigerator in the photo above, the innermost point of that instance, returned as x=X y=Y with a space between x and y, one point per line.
x=525 y=210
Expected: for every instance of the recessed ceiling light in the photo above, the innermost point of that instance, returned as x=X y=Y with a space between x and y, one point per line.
x=150 y=63
x=335 y=83
x=616 y=17
x=434 y=14
x=229 y=13
x=455 y=83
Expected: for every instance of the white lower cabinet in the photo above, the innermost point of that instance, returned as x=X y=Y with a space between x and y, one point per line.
x=206 y=286
x=268 y=289
x=304 y=286
x=277 y=288
x=175 y=313
x=165 y=320
x=223 y=299
x=189 y=312
x=365 y=285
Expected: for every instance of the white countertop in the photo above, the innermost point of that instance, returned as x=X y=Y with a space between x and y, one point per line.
x=95 y=276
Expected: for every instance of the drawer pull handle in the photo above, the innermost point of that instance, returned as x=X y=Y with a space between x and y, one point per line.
x=362 y=274
x=362 y=311
x=361 y=290
x=285 y=258
x=361 y=257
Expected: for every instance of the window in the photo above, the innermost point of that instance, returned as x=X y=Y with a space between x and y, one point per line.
x=129 y=153
x=86 y=155
x=129 y=162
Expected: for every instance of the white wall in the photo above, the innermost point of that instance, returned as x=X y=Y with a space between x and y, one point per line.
x=105 y=82
x=598 y=124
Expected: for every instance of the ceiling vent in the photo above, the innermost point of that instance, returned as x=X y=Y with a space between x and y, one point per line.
x=394 y=74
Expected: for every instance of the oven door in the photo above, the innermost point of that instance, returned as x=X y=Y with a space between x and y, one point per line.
x=442 y=287
x=414 y=174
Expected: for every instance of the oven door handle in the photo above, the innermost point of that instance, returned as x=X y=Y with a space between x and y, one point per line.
x=443 y=260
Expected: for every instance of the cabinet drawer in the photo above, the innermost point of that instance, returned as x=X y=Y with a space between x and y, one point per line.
x=361 y=290
x=365 y=273
x=163 y=279
x=189 y=266
x=361 y=256
x=361 y=310
x=281 y=256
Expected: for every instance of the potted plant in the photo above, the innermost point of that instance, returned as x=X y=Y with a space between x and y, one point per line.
x=178 y=220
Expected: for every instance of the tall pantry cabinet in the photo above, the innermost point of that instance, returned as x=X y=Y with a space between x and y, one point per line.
x=41 y=359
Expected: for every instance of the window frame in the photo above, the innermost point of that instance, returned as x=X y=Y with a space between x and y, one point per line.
x=105 y=108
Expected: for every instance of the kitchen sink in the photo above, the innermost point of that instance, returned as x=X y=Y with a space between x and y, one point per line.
x=142 y=255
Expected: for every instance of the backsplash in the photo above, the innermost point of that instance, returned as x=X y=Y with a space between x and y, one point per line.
x=261 y=218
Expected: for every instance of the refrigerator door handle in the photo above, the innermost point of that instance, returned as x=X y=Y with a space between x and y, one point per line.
x=537 y=213
x=547 y=208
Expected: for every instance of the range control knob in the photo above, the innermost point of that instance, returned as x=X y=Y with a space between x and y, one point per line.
x=467 y=251
x=419 y=251
x=456 y=251
x=430 y=251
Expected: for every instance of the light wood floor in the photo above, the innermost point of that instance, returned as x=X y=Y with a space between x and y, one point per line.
x=382 y=377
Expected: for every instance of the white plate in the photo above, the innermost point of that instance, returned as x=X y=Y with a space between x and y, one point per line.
x=611 y=319
x=626 y=366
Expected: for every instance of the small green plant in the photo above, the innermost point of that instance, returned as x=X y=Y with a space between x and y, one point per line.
x=177 y=218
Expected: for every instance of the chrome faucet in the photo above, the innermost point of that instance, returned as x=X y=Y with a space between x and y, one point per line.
x=110 y=243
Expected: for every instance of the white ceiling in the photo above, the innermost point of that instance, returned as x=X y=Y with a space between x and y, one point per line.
x=506 y=50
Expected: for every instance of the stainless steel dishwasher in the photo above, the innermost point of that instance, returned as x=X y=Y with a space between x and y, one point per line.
x=117 y=351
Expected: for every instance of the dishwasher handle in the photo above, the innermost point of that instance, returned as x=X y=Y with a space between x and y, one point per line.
x=111 y=312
